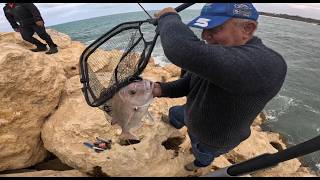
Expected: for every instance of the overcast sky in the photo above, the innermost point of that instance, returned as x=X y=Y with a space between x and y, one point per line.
x=57 y=13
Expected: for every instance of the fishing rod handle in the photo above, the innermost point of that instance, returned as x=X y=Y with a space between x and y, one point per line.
x=223 y=172
x=183 y=6
x=268 y=160
x=178 y=9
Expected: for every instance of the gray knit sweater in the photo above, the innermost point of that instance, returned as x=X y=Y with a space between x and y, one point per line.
x=226 y=86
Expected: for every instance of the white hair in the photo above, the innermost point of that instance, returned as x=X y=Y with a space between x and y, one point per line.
x=242 y=22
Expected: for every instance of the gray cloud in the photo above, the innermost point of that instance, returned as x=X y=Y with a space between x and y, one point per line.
x=309 y=10
x=57 y=13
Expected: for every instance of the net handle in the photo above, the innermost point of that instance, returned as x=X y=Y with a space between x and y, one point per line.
x=180 y=8
x=268 y=160
x=183 y=6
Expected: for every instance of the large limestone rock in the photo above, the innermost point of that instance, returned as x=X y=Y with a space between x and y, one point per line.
x=30 y=89
x=47 y=173
x=31 y=92
x=69 y=51
x=161 y=74
x=162 y=152
x=261 y=142
x=75 y=122
x=14 y=39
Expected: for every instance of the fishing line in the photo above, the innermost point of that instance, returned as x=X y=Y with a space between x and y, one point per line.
x=145 y=11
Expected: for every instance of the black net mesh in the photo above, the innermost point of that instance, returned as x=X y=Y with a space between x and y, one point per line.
x=115 y=59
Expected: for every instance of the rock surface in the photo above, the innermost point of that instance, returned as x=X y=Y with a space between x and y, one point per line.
x=43 y=93
x=47 y=173
x=31 y=87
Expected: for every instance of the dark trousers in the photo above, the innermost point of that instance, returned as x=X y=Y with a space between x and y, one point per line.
x=204 y=155
x=28 y=31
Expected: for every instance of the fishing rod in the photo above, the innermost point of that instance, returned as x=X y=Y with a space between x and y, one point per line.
x=178 y=9
x=268 y=160
x=145 y=11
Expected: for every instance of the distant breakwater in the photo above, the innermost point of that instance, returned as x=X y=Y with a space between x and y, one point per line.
x=297 y=18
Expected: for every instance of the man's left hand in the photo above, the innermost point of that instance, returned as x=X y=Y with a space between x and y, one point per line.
x=165 y=11
x=40 y=23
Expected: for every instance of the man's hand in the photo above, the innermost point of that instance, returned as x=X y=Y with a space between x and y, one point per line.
x=40 y=23
x=164 y=11
x=156 y=90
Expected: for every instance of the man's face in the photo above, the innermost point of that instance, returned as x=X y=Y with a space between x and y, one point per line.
x=228 y=34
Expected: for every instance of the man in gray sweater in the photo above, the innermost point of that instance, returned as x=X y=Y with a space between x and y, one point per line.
x=231 y=76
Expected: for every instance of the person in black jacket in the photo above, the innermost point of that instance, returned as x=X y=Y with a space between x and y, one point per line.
x=230 y=76
x=26 y=19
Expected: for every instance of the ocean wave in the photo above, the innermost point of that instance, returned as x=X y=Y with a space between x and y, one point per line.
x=89 y=42
x=279 y=106
x=318 y=166
x=272 y=116
x=289 y=101
x=161 y=60
x=311 y=109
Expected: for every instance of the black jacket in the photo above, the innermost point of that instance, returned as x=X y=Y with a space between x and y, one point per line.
x=23 y=13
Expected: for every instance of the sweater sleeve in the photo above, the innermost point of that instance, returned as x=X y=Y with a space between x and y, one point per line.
x=232 y=68
x=10 y=19
x=176 y=89
x=34 y=11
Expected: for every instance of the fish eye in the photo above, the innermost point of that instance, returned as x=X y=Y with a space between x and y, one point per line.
x=132 y=92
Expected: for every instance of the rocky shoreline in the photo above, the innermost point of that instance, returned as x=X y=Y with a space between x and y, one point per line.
x=44 y=121
x=296 y=18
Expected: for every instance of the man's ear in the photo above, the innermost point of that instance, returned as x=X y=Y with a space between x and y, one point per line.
x=249 y=28
x=206 y=34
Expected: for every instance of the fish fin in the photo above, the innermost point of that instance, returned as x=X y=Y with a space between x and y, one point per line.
x=150 y=120
x=129 y=118
x=128 y=136
x=150 y=116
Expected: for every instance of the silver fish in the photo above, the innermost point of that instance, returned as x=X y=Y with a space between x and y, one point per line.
x=129 y=105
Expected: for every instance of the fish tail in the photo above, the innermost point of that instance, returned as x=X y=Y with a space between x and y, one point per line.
x=150 y=116
x=128 y=136
x=113 y=121
x=149 y=120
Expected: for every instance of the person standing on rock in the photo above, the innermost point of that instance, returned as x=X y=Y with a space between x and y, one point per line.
x=26 y=19
x=230 y=76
